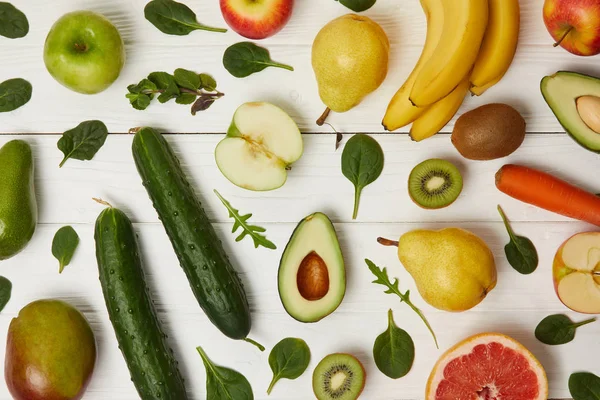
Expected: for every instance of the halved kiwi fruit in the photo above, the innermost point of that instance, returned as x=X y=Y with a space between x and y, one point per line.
x=339 y=377
x=434 y=183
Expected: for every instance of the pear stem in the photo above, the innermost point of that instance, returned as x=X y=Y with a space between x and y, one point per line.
x=387 y=242
x=323 y=117
x=564 y=36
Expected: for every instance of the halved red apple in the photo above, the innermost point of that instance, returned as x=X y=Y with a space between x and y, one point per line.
x=576 y=273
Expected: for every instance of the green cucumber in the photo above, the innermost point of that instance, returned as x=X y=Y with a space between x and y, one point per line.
x=214 y=282
x=151 y=363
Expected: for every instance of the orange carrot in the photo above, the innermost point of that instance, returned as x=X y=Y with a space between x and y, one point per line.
x=548 y=192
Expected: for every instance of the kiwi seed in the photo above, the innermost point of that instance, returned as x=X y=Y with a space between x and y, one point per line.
x=434 y=183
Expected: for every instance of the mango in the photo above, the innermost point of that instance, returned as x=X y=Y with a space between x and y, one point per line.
x=50 y=352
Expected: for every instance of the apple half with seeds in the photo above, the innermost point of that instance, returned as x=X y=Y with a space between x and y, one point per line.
x=576 y=273
x=261 y=144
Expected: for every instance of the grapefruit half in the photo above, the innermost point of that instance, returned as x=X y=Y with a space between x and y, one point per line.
x=489 y=366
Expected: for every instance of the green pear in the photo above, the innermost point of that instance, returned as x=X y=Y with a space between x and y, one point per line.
x=350 y=58
x=454 y=269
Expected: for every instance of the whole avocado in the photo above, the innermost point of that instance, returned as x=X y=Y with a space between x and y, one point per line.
x=18 y=206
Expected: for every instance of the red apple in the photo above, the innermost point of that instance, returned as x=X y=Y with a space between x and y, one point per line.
x=574 y=24
x=257 y=19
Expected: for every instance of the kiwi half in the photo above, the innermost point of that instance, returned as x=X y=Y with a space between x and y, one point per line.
x=434 y=183
x=339 y=377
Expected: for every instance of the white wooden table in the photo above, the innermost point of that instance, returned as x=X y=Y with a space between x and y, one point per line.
x=315 y=184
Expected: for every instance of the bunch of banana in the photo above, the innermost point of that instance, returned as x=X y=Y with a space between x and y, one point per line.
x=470 y=45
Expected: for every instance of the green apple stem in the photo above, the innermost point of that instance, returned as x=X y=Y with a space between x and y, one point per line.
x=387 y=242
x=564 y=36
x=323 y=117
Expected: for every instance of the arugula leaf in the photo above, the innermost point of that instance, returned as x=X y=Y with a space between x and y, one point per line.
x=358 y=5
x=394 y=350
x=224 y=383
x=174 y=18
x=64 y=244
x=288 y=359
x=362 y=164
x=248 y=230
x=5 y=292
x=584 y=386
x=520 y=251
x=14 y=93
x=13 y=23
x=245 y=58
x=392 y=288
x=558 y=329
x=83 y=141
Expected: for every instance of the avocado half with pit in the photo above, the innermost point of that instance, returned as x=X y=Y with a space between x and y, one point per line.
x=312 y=275
x=575 y=101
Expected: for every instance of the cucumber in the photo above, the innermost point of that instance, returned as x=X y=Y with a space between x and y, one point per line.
x=214 y=282
x=151 y=363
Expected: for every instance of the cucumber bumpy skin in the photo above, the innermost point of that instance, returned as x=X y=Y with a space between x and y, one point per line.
x=151 y=363
x=214 y=282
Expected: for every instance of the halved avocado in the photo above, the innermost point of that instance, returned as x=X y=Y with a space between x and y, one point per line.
x=561 y=92
x=312 y=275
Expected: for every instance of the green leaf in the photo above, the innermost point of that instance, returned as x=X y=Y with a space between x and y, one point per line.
x=394 y=351
x=362 y=164
x=520 y=251
x=241 y=221
x=139 y=101
x=187 y=79
x=145 y=86
x=165 y=82
x=584 y=386
x=208 y=82
x=14 y=93
x=5 y=292
x=83 y=141
x=205 y=100
x=245 y=58
x=64 y=244
x=558 y=329
x=358 y=5
x=392 y=288
x=174 y=18
x=224 y=383
x=288 y=359
x=13 y=23
x=186 y=98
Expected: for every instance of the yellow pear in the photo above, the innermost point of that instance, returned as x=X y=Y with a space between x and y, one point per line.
x=453 y=269
x=350 y=58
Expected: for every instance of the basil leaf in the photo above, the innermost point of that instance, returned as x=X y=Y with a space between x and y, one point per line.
x=584 y=386
x=5 y=291
x=245 y=58
x=358 y=5
x=13 y=23
x=64 y=244
x=14 y=93
x=174 y=18
x=224 y=383
x=394 y=351
x=520 y=251
x=558 y=329
x=362 y=163
x=83 y=141
x=187 y=79
x=288 y=359
x=208 y=82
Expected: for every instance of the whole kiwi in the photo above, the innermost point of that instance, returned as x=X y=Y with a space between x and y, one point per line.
x=489 y=132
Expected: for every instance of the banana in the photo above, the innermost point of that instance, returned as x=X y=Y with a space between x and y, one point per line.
x=499 y=44
x=439 y=114
x=465 y=22
x=401 y=111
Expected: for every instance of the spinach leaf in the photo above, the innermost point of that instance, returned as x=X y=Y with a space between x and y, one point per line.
x=520 y=251
x=224 y=383
x=392 y=288
x=83 y=141
x=5 y=292
x=13 y=23
x=288 y=359
x=14 y=93
x=362 y=163
x=358 y=5
x=558 y=329
x=394 y=350
x=174 y=18
x=245 y=58
x=584 y=386
x=64 y=244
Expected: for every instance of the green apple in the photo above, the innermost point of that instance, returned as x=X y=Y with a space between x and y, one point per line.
x=84 y=52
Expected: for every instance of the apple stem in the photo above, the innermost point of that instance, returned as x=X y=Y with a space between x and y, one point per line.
x=323 y=117
x=564 y=36
x=387 y=242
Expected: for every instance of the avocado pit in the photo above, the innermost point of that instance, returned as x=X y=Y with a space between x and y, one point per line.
x=588 y=108
x=313 y=277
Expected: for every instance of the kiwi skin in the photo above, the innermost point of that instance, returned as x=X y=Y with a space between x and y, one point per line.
x=345 y=355
x=433 y=160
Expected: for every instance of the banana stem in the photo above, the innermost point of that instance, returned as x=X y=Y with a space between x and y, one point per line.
x=387 y=242
x=563 y=37
x=323 y=117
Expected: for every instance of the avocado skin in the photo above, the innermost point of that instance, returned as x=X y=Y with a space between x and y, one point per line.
x=18 y=206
